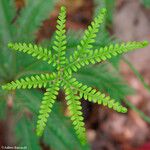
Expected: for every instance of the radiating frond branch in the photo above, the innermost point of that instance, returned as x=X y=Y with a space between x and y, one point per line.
x=89 y=36
x=94 y=56
x=34 y=50
x=92 y=95
x=30 y=82
x=60 y=39
x=46 y=107
x=74 y=104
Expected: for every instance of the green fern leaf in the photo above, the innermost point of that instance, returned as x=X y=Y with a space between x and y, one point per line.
x=30 y=82
x=74 y=104
x=89 y=36
x=34 y=50
x=107 y=52
x=92 y=95
x=60 y=39
x=90 y=33
x=64 y=67
x=46 y=107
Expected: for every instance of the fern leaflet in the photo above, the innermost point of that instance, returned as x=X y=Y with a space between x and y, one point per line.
x=94 y=56
x=30 y=82
x=34 y=50
x=74 y=104
x=60 y=39
x=46 y=107
x=90 y=33
x=92 y=95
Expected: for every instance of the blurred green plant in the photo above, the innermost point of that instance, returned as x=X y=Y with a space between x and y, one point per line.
x=146 y=3
x=145 y=85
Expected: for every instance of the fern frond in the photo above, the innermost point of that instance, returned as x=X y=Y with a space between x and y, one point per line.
x=74 y=104
x=94 y=56
x=29 y=82
x=92 y=95
x=46 y=107
x=34 y=50
x=64 y=68
x=90 y=33
x=89 y=36
x=60 y=39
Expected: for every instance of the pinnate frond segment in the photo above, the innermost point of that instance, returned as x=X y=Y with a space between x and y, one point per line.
x=104 y=53
x=92 y=95
x=36 y=81
x=46 y=107
x=34 y=50
x=89 y=36
x=90 y=33
x=74 y=104
x=60 y=39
